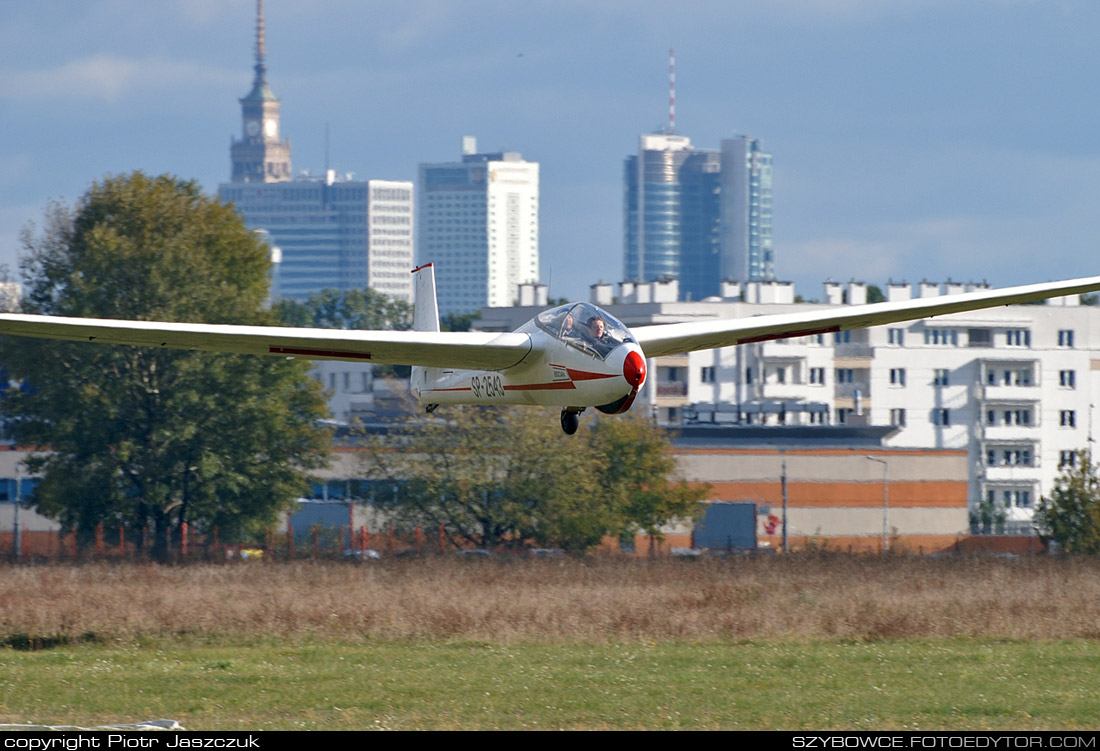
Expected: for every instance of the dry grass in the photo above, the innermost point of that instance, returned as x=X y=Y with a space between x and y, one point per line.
x=558 y=601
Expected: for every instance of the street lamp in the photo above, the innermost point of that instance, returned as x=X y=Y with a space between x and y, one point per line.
x=885 y=505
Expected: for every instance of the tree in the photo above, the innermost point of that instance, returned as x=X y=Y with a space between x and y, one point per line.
x=348 y=309
x=636 y=467
x=152 y=438
x=1070 y=515
x=508 y=477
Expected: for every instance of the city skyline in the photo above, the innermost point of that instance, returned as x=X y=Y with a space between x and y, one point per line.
x=912 y=140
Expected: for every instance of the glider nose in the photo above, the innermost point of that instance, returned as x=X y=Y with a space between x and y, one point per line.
x=634 y=369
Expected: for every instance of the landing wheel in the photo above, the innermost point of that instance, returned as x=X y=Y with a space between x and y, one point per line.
x=570 y=420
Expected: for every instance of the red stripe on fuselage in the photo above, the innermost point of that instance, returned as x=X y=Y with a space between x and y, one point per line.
x=541 y=386
x=584 y=375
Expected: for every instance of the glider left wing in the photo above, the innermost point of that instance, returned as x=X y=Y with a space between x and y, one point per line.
x=465 y=350
x=673 y=338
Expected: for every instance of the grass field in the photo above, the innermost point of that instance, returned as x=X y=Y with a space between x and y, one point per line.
x=795 y=642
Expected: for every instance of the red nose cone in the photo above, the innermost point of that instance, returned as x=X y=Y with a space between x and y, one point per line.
x=634 y=369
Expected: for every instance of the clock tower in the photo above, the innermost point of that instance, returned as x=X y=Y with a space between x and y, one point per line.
x=260 y=155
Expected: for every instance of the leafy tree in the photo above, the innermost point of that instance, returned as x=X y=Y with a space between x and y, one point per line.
x=459 y=321
x=508 y=477
x=348 y=309
x=144 y=437
x=635 y=469
x=1070 y=516
x=874 y=294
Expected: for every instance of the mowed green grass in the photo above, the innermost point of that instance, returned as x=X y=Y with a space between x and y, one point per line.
x=779 y=642
x=356 y=684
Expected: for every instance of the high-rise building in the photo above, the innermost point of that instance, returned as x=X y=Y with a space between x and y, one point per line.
x=479 y=223
x=700 y=216
x=332 y=232
x=745 y=221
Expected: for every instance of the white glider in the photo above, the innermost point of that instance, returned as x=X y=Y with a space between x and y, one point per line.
x=572 y=356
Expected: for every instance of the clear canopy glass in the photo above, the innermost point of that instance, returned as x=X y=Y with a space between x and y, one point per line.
x=584 y=326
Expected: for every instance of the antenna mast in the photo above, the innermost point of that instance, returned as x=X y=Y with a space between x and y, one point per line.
x=671 y=92
x=260 y=67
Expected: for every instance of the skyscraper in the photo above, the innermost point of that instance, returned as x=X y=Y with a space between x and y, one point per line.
x=745 y=221
x=332 y=231
x=479 y=223
x=701 y=216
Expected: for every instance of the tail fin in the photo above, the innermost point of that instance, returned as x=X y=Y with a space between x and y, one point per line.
x=425 y=318
x=425 y=306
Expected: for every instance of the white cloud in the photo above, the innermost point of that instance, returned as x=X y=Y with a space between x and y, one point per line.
x=109 y=78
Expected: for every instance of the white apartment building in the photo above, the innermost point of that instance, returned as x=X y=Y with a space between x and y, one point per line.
x=1014 y=386
x=479 y=223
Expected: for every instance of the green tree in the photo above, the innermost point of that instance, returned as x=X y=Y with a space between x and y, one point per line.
x=348 y=309
x=1070 y=515
x=508 y=477
x=459 y=321
x=636 y=468
x=144 y=437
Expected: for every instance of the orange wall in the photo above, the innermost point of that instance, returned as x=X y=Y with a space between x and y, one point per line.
x=845 y=494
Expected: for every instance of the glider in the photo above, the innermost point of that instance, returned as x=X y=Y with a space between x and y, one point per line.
x=572 y=356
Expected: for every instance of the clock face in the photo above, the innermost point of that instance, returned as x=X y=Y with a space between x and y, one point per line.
x=271 y=128
x=252 y=127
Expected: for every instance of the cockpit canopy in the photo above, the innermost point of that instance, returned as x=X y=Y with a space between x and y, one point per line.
x=584 y=326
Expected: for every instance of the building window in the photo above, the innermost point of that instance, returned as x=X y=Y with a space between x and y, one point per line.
x=979 y=338
x=896 y=337
x=1067 y=379
x=1018 y=337
x=897 y=417
x=1067 y=418
x=844 y=375
x=1017 y=498
x=941 y=417
x=706 y=375
x=748 y=376
x=1009 y=457
x=897 y=376
x=1067 y=459
x=817 y=376
x=1065 y=338
x=780 y=375
x=941 y=337
x=1011 y=417
x=941 y=377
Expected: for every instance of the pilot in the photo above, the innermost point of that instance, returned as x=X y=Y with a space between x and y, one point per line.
x=596 y=333
x=567 y=326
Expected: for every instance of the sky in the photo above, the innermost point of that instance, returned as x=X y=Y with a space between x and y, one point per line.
x=912 y=139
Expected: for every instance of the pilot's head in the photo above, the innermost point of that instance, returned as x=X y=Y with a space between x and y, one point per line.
x=596 y=326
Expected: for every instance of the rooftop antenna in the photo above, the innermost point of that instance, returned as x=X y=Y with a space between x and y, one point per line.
x=671 y=92
x=326 y=147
